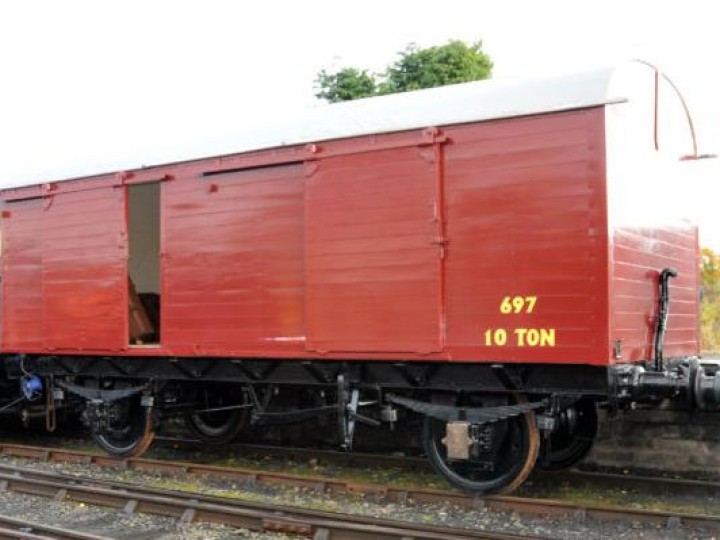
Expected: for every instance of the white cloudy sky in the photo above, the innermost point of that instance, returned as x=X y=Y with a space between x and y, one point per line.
x=88 y=86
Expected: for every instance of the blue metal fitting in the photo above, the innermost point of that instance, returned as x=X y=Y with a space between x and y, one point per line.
x=31 y=387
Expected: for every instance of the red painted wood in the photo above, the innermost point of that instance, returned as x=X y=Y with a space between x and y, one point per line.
x=22 y=275
x=334 y=253
x=639 y=254
x=233 y=261
x=525 y=213
x=370 y=265
x=84 y=270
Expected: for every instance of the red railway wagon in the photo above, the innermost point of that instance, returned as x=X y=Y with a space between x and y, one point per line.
x=492 y=257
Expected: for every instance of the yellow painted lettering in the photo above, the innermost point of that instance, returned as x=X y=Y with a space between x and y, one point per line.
x=500 y=337
x=497 y=337
x=547 y=337
x=514 y=305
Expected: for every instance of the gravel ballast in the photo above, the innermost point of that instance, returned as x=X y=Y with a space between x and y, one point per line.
x=117 y=525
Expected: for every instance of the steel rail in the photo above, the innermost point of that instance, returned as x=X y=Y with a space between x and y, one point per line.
x=11 y=528
x=653 y=484
x=521 y=505
x=676 y=486
x=189 y=508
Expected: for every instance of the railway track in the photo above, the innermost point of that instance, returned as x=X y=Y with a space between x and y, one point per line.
x=520 y=505
x=676 y=486
x=12 y=528
x=191 y=507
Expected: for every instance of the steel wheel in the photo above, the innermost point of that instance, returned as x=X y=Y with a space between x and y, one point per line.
x=218 y=426
x=572 y=441
x=132 y=433
x=509 y=461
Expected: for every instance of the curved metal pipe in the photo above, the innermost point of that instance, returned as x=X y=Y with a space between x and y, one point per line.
x=665 y=276
x=685 y=107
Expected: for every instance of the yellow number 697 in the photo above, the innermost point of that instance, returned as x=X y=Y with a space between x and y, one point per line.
x=517 y=304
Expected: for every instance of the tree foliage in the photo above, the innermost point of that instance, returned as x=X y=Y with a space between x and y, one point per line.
x=710 y=305
x=345 y=85
x=455 y=62
x=417 y=68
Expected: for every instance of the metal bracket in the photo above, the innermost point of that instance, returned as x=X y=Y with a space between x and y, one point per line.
x=347 y=407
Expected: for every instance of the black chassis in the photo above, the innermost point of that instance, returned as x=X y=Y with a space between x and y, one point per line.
x=539 y=379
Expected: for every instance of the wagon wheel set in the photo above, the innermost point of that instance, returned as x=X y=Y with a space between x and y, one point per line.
x=213 y=413
x=501 y=465
x=222 y=415
x=132 y=430
x=502 y=454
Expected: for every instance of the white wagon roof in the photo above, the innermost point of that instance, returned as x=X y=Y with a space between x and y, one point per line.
x=448 y=105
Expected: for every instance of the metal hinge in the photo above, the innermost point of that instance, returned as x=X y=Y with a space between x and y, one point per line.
x=442 y=243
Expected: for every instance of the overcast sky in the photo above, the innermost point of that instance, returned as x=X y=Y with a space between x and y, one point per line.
x=89 y=86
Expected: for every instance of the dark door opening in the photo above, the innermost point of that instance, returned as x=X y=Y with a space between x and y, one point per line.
x=143 y=203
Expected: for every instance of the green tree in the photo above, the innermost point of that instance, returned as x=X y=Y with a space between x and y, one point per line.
x=346 y=84
x=455 y=62
x=417 y=68
x=710 y=305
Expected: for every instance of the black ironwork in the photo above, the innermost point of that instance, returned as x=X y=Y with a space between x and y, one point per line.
x=473 y=415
